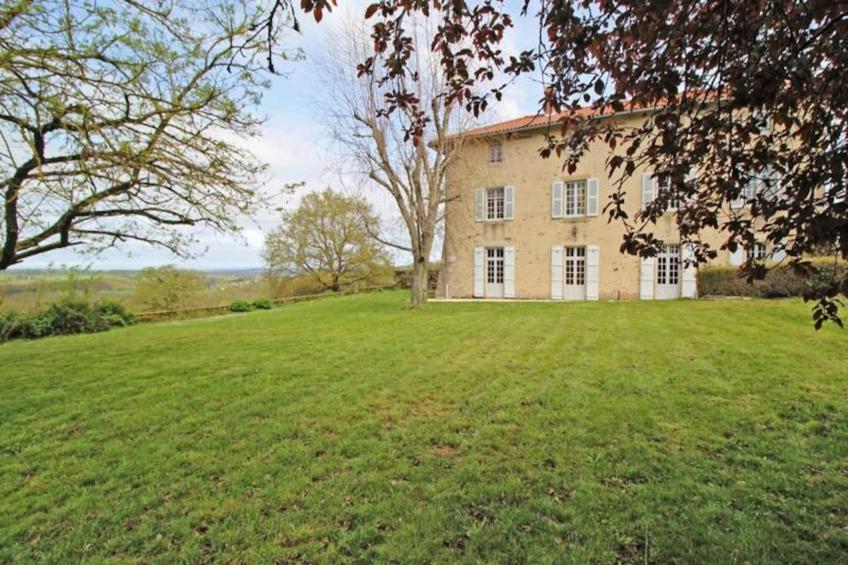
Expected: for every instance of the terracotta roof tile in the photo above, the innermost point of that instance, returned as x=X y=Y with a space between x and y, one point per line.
x=550 y=119
x=543 y=120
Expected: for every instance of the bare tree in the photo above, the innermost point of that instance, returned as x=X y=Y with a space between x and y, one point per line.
x=117 y=120
x=376 y=144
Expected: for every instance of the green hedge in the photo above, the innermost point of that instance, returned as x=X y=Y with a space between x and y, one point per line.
x=64 y=317
x=779 y=282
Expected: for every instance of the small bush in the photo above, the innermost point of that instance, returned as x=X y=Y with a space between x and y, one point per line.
x=70 y=316
x=240 y=306
x=262 y=304
x=115 y=312
x=34 y=326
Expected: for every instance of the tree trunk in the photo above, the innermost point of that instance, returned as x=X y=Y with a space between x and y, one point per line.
x=420 y=280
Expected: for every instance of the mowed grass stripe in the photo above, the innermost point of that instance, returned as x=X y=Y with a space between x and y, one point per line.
x=356 y=428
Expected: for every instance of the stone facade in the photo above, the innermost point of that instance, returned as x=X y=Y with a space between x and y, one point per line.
x=533 y=235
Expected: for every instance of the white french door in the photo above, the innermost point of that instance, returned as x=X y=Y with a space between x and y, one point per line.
x=494 y=272
x=668 y=273
x=575 y=273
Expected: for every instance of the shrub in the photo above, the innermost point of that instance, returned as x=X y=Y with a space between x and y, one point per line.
x=827 y=281
x=262 y=304
x=70 y=316
x=779 y=282
x=115 y=313
x=240 y=306
x=34 y=326
x=64 y=317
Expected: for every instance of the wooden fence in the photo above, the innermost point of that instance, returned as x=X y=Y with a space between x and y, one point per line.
x=205 y=311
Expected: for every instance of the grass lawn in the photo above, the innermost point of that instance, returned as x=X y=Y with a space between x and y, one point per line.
x=355 y=429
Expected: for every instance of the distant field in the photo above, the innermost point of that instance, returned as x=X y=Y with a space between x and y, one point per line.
x=355 y=429
x=28 y=291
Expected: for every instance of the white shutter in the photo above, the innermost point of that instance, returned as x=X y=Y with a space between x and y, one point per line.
x=509 y=202
x=689 y=281
x=592 y=186
x=509 y=272
x=647 y=188
x=480 y=204
x=737 y=257
x=556 y=272
x=778 y=254
x=479 y=257
x=593 y=261
x=556 y=199
x=646 y=278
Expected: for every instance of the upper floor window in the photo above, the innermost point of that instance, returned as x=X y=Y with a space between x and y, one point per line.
x=575 y=198
x=495 y=153
x=495 y=203
x=654 y=186
x=662 y=186
x=763 y=183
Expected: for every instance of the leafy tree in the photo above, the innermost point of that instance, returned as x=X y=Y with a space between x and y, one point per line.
x=116 y=121
x=750 y=94
x=327 y=237
x=167 y=288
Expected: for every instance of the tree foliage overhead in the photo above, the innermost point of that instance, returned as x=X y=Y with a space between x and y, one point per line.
x=752 y=95
x=329 y=238
x=118 y=120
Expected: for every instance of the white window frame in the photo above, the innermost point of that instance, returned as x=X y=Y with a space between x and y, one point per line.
x=572 y=198
x=495 y=268
x=574 y=266
x=756 y=185
x=496 y=152
x=674 y=204
x=668 y=265
x=757 y=252
x=491 y=202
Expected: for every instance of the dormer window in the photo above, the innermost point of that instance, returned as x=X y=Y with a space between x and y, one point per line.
x=495 y=153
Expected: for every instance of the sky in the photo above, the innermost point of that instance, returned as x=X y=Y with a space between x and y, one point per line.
x=294 y=144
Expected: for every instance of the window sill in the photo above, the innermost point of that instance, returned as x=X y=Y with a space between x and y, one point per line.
x=577 y=217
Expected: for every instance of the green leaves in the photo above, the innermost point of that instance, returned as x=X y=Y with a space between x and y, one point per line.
x=117 y=116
